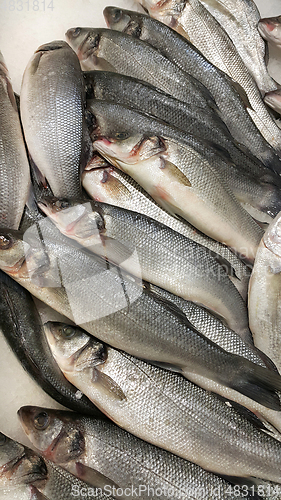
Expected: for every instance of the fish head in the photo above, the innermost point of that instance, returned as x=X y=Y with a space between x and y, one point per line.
x=54 y=45
x=85 y=42
x=56 y=434
x=270 y=29
x=73 y=348
x=75 y=217
x=105 y=185
x=12 y=250
x=10 y=451
x=272 y=236
x=122 y=20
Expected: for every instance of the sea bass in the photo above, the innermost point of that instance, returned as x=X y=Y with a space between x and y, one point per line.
x=179 y=171
x=91 y=446
x=239 y=18
x=229 y=96
x=14 y=167
x=264 y=294
x=149 y=250
x=185 y=417
x=218 y=48
x=56 y=133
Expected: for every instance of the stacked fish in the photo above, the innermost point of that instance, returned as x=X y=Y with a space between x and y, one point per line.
x=148 y=166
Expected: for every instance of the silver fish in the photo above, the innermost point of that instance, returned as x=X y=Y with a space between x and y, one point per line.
x=139 y=244
x=270 y=30
x=239 y=18
x=129 y=462
x=264 y=294
x=218 y=48
x=253 y=185
x=14 y=167
x=134 y=58
x=167 y=410
x=55 y=133
x=105 y=183
x=229 y=96
x=179 y=172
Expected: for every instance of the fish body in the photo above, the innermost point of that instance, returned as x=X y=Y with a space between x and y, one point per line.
x=252 y=183
x=264 y=294
x=151 y=251
x=270 y=30
x=21 y=325
x=137 y=59
x=217 y=47
x=229 y=97
x=178 y=416
x=105 y=183
x=52 y=112
x=240 y=18
x=14 y=167
x=123 y=458
x=180 y=172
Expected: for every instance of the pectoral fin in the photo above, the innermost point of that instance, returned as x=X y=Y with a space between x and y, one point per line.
x=108 y=385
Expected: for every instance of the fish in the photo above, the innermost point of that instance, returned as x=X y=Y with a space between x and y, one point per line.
x=218 y=48
x=14 y=168
x=229 y=97
x=22 y=328
x=273 y=99
x=128 y=461
x=264 y=294
x=137 y=59
x=270 y=30
x=171 y=167
x=171 y=412
x=19 y=468
x=252 y=183
x=56 y=134
x=27 y=471
x=150 y=251
x=104 y=182
x=239 y=18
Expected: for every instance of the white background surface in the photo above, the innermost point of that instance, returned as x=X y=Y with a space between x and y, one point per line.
x=21 y=32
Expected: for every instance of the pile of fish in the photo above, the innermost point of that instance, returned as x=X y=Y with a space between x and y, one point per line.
x=140 y=199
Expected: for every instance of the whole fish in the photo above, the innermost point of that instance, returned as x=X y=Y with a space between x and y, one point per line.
x=273 y=99
x=229 y=96
x=21 y=325
x=218 y=48
x=24 y=470
x=270 y=30
x=180 y=172
x=245 y=176
x=136 y=59
x=166 y=410
x=55 y=133
x=18 y=471
x=14 y=167
x=239 y=18
x=146 y=248
x=105 y=183
x=123 y=458
x=264 y=294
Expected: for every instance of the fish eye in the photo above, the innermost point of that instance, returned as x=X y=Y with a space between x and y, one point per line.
x=41 y=421
x=68 y=332
x=116 y=15
x=121 y=135
x=61 y=204
x=5 y=242
x=76 y=32
x=3 y=439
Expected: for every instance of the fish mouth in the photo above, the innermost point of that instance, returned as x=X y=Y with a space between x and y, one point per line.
x=55 y=45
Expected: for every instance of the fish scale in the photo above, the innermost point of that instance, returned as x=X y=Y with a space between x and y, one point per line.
x=14 y=167
x=51 y=97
